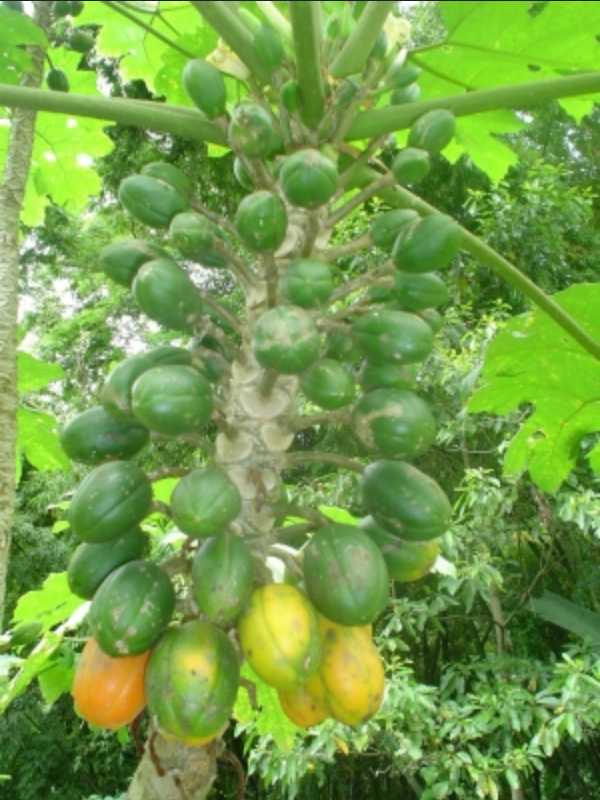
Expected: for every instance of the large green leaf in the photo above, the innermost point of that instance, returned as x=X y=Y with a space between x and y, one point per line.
x=143 y=54
x=568 y=615
x=533 y=361
x=51 y=605
x=39 y=441
x=16 y=29
x=65 y=149
x=35 y=374
x=493 y=44
x=477 y=135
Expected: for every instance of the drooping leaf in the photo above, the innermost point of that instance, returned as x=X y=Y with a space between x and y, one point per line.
x=533 y=361
x=39 y=441
x=568 y=615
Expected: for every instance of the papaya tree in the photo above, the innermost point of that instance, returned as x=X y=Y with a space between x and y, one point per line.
x=306 y=95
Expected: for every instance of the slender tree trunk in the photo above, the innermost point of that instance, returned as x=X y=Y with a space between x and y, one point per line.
x=12 y=193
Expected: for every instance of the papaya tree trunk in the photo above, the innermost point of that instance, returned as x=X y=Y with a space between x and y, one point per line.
x=171 y=771
x=12 y=193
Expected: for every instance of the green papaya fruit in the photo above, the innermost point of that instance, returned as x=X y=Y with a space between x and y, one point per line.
x=57 y=80
x=171 y=175
x=433 y=131
x=152 y=202
x=269 y=47
x=205 y=86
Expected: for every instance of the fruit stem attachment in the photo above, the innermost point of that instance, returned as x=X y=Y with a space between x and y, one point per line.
x=223 y=312
x=373 y=188
x=511 y=274
x=355 y=52
x=348 y=249
x=307 y=30
x=361 y=160
x=288 y=559
x=118 y=9
x=320 y=457
x=365 y=280
x=302 y=423
x=267 y=384
x=158 y=507
x=233 y=31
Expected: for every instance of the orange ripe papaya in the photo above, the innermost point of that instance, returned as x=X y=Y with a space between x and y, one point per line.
x=109 y=692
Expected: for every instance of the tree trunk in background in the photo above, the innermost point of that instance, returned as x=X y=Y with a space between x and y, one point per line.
x=12 y=193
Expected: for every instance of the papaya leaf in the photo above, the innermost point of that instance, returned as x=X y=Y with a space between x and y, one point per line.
x=489 y=45
x=268 y=716
x=32 y=667
x=51 y=605
x=16 y=29
x=145 y=54
x=477 y=135
x=568 y=615
x=65 y=149
x=58 y=678
x=533 y=361
x=39 y=441
x=35 y=374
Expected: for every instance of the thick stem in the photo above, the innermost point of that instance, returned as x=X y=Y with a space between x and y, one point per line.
x=233 y=31
x=160 y=117
x=354 y=54
x=379 y=121
x=307 y=31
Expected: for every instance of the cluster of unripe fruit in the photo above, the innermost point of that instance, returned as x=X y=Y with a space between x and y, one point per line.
x=311 y=641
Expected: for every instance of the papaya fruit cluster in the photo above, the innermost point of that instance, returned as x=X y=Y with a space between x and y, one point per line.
x=349 y=347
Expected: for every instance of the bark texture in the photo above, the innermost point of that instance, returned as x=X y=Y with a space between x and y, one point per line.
x=171 y=771
x=12 y=193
